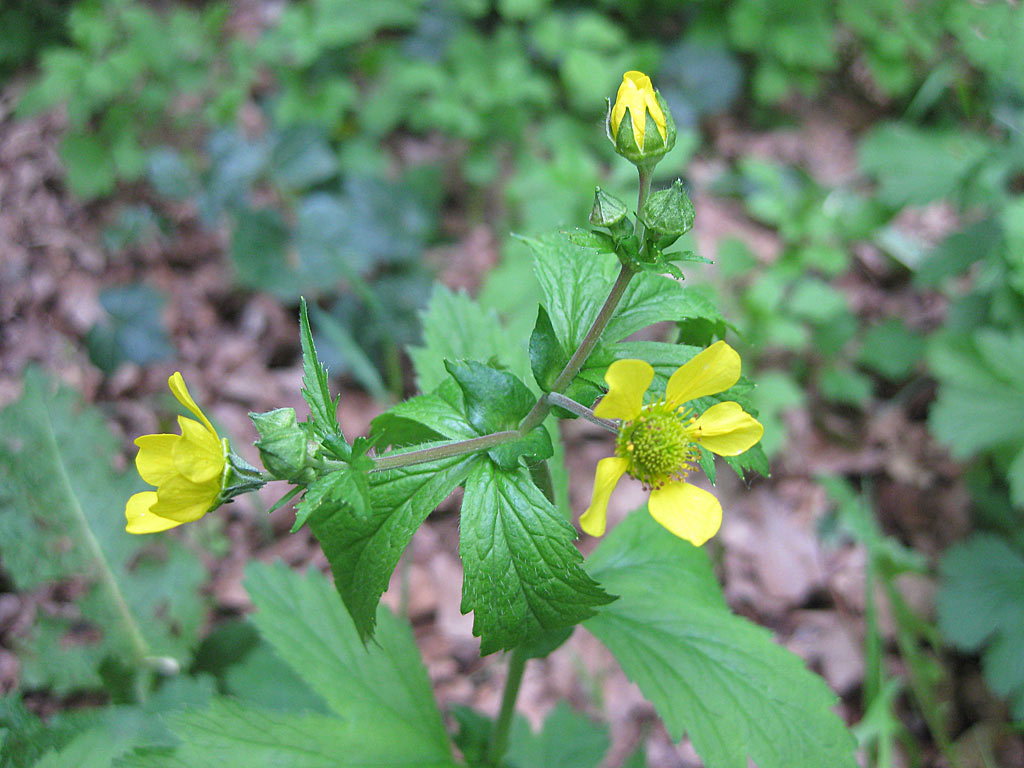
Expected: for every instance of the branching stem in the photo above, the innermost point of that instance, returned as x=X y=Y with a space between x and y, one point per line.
x=542 y=407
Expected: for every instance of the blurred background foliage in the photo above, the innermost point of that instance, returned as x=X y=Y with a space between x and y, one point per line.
x=336 y=141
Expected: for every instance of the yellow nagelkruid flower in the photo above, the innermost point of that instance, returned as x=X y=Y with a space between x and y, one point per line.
x=187 y=470
x=658 y=443
x=637 y=95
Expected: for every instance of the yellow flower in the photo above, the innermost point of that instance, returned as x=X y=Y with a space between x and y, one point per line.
x=658 y=444
x=187 y=469
x=638 y=96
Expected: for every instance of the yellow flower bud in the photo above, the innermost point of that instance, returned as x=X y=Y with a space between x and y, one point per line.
x=628 y=128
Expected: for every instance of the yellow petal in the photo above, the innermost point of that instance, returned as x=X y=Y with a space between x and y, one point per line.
x=180 y=391
x=712 y=371
x=605 y=479
x=689 y=512
x=198 y=455
x=637 y=95
x=155 y=460
x=726 y=429
x=182 y=500
x=627 y=382
x=140 y=519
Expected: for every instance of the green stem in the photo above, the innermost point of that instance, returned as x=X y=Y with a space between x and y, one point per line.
x=457 y=448
x=561 y=401
x=499 y=736
x=541 y=407
x=646 y=175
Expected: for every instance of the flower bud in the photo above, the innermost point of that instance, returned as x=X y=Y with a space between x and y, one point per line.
x=640 y=140
x=609 y=212
x=668 y=214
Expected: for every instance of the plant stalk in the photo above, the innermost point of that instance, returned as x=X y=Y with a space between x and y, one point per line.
x=499 y=736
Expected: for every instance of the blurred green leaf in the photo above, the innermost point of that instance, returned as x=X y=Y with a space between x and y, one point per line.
x=62 y=518
x=568 y=739
x=892 y=349
x=134 y=331
x=981 y=608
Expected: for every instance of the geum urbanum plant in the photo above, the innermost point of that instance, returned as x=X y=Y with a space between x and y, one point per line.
x=648 y=595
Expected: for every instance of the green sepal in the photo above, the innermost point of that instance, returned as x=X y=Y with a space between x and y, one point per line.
x=611 y=213
x=239 y=477
x=668 y=214
x=654 y=148
x=282 y=444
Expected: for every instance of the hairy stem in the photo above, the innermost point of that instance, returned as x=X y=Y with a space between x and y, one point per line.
x=456 y=448
x=499 y=736
x=561 y=401
x=541 y=407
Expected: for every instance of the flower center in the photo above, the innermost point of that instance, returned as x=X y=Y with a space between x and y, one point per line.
x=656 y=446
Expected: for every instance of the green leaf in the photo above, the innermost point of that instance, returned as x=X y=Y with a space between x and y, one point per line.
x=916 y=166
x=317 y=392
x=981 y=607
x=547 y=356
x=710 y=674
x=262 y=679
x=457 y=328
x=363 y=546
x=440 y=412
x=89 y=165
x=892 y=349
x=567 y=740
x=344 y=491
x=522 y=573
x=496 y=401
x=229 y=734
x=61 y=517
x=134 y=331
x=381 y=692
x=576 y=281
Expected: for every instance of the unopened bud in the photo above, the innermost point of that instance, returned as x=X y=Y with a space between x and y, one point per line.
x=668 y=214
x=640 y=124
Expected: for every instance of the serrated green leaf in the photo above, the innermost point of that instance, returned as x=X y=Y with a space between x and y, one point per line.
x=496 y=401
x=316 y=391
x=261 y=679
x=229 y=734
x=424 y=418
x=363 y=547
x=92 y=749
x=522 y=573
x=576 y=282
x=711 y=675
x=381 y=692
x=981 y=606
x=61 y=517
x=344 y=491
x=567 y=740
x=457 y=328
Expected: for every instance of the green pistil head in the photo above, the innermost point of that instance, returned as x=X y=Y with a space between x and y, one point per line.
x=656 y=446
